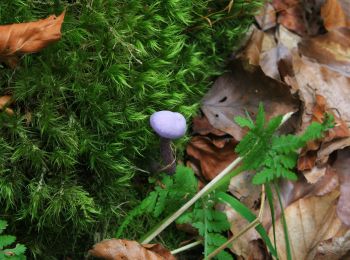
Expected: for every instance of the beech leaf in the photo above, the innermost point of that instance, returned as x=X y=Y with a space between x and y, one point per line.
x=115 y=249
x=28 y=37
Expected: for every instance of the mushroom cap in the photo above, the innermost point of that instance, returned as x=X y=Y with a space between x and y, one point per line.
x=168 y=124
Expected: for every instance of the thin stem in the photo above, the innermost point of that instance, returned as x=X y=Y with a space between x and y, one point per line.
x=253 y=224
x=186 y=247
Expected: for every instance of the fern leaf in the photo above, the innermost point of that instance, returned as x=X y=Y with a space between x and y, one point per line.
x=6 y=240
x=244 y=122
x=3 y=225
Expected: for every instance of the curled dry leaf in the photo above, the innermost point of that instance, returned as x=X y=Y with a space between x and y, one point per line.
x=28 y=37
x=116 y=249
x=240 y=91
x=310 y=220
x=213 y=154
x=290 y=15
x=334 y=248
x=5 y=101
x=336 y=14
x=331 y=49
x=342 y=167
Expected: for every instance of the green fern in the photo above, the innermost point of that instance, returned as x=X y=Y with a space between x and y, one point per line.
x=169 y=195
x=210 y=223
x=15 y=253
x=270 y=155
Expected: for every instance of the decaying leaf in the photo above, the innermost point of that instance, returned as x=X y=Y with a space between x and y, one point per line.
x=213 y=154
x=334 y=248
x=342 y=167
x=201 y=125
x=28 y=37
x=240 y=91
x=310 y=221
x=336 y=14
x=266 y=18
x=116 y=249
x=332 y=49
x=5 y=101
x=290 y=15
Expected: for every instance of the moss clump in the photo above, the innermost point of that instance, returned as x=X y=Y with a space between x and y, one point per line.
x=69 y=157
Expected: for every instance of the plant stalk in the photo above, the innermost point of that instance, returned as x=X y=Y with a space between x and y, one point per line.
x=186 y=247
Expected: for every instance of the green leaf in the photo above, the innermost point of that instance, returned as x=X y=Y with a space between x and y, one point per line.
x=269 y=196
x=6 y=240
x=3 y=225
x=244 y=122
x=260 y=118
x=248 y=215
x=18 y=250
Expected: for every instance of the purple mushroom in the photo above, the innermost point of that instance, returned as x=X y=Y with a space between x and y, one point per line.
x=168 y=125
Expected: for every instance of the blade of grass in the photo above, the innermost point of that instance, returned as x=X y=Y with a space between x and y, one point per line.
x=248 y=215
x=284 y=223
x=269 y=196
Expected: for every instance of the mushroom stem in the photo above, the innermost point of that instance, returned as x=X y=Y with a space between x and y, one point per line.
x=167 y=156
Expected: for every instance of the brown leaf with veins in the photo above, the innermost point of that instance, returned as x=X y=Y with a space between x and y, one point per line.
x=5 y=101
x=28 y=37
x=310 y=221
x=332 y=49
x=202 y=126
x=116 y=249
x=239 y=91
x=213 y=154
x=336 y=14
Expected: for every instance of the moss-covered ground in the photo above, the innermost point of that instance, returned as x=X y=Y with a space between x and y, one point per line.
x=76 y=155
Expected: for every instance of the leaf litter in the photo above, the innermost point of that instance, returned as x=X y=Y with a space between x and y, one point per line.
x=296 y=59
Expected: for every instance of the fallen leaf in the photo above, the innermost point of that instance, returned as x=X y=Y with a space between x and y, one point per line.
x=342 y=167
x=310 y=221
x=201 y=125
x=239 y=91
x=332 y=49
x=266 y=18
x=28 y=37
x=334 y=248
x=213 y=156
x=5 y=101
x=290 y=15
x=116 y=249
x=336 y=14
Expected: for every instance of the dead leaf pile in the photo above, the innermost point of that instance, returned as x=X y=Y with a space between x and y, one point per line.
x=296 y=60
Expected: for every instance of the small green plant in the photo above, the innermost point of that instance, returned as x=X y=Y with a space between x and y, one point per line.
x=262 y=150
x=15 y=253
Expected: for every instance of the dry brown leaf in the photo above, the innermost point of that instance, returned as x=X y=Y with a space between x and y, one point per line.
x=201 y=125
x=336 y=14
x=239 y=91
x=214 y=156
x=332 y=49
x=5 y=101
x=290 y=15
x=28 y=37
x=117 y=249
x=266 y=18
x=310 y=221
x=334 y=248
x=342 y=167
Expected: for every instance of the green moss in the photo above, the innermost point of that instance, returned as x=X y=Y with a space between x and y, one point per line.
x=68 y=175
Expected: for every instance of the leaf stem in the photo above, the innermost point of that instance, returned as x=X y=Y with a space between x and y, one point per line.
x=186 y=247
